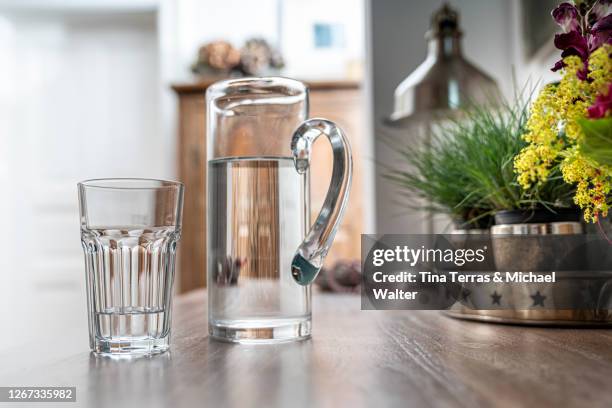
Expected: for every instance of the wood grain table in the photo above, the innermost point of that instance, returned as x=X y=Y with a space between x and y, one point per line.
x=355 y=359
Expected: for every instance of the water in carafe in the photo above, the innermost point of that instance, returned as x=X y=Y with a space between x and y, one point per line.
x=257 y=218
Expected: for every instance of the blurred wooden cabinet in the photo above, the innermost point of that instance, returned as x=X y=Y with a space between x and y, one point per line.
x=339 y=101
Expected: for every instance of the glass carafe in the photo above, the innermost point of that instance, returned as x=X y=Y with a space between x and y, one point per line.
x=263 y=253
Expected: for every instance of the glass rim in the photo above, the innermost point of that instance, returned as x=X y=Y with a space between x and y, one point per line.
x=100 y=183
x=223 y=86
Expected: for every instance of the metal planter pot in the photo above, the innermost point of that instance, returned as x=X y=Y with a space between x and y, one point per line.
x=581 y=295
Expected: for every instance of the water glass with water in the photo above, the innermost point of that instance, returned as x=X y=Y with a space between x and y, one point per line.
x=129 y=233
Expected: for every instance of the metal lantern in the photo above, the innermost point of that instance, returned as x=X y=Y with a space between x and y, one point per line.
x=445 y=81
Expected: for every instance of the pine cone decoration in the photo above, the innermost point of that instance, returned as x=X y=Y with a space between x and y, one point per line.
x=344 y=276
x=218 y=56
x=257 y=56
x=276 y=60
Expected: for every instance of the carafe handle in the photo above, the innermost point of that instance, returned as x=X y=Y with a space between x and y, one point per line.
x=310 y=255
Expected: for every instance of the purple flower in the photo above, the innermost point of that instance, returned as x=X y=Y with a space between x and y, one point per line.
x=602 y=105
x=567 y=16
x=581 y=39
x=601 y=33
x=572 y=43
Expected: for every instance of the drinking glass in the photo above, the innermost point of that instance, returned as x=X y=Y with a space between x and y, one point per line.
x=263 y=252
x=129 y=232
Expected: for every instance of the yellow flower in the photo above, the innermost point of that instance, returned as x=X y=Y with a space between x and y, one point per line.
x=553 y=134
x=600 y=68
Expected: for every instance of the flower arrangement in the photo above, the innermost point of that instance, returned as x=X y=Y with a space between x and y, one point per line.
x=569 y=129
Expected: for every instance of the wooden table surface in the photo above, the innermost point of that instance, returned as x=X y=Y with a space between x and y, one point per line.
x=356 y=358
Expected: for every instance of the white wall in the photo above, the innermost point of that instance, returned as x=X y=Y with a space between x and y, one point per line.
x=306 y=61
x=397 y=46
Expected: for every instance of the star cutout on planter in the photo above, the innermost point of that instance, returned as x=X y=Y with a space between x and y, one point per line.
x=496 y=298
x=538 y=299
